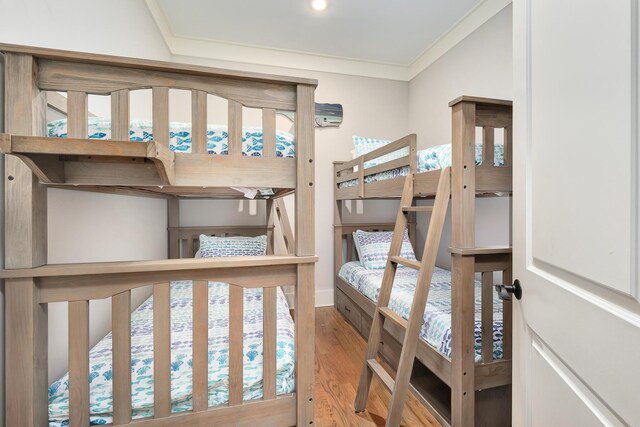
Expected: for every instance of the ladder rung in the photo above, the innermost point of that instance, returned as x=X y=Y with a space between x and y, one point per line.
x=417 y=208
x=406 y=262
x=383 y=375
x=393 y=316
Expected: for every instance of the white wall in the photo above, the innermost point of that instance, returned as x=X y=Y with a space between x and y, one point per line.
x=372 y=107
x=480 y=65
x=77 y=220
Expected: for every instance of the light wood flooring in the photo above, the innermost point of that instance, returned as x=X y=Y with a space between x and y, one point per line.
x=339 y=355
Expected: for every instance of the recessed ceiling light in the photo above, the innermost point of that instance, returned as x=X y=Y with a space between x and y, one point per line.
x=319 y=4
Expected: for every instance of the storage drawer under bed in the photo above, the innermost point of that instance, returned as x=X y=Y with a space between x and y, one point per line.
x=349 y=310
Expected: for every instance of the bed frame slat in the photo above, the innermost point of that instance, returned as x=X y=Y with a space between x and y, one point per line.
x=79 y=363
x=121 y=319
x=487 y=316
x=487 y=146
x=269 y=345
x=161 y=350
x=235 y=128
x=200 y=345
x=268 y=132
x=507 y=318
x=199 y=119
x=508 y=146
x=285 y=225
x=120 y=115
x=77 y=114
x=236 y=316
x=160 y=113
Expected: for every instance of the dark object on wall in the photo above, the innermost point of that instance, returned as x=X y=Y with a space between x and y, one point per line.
x=327 y=115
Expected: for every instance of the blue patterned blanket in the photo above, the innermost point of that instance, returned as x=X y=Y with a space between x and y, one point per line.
x=438 y=157
x=180 y=136
x=101 y=391
x=436 y=326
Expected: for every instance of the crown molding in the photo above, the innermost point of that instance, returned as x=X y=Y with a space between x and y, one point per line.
x=257 y=55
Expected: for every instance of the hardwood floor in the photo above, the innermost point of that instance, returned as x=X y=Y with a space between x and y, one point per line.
x=339 y=354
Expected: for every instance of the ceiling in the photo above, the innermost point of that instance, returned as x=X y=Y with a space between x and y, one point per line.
x=367 y=37
x=394 y=32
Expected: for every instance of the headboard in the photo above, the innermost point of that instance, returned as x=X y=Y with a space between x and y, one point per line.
x=188 y=240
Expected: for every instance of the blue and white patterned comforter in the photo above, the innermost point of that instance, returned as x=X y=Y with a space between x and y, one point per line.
x=101 y=397
x=432 y=158
x=180 y=136
x=436 y=327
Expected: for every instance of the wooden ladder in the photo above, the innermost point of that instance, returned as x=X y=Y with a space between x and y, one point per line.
x=412 y=327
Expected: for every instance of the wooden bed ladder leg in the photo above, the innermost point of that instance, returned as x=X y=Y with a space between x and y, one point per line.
x=400 y=386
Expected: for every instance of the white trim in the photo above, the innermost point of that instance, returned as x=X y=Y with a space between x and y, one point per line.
x=241 y=53
x=247 y=54
x=324 y=298
x=473 y=20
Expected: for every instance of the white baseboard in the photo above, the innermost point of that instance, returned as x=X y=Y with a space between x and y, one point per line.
x=324 y=298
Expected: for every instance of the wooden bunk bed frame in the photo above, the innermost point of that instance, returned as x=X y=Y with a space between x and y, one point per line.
x=148 y=169
x=458 y=391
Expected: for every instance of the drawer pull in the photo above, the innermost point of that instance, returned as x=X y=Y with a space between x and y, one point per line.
x=347 y=308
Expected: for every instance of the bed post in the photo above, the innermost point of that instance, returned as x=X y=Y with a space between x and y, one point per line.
x=337 y=231
x=270 y=211
x=25 y=247
x=462 y=293
x=305 y=245
x=173 y=220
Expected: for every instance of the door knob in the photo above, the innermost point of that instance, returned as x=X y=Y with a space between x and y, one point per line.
x=506 y=291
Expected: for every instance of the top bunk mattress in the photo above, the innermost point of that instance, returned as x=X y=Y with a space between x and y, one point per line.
x=436 y=326
x=180 y=136
x=432 y=158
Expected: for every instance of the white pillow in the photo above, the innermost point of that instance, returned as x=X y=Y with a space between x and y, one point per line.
x=211 y=246
x=373 y=248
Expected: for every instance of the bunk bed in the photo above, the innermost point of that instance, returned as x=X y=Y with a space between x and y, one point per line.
x=463 y=359
x=38 y=158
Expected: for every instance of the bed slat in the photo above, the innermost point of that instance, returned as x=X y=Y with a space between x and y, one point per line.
x=268 y=132
x=161 y=350
x=285 y=225
x=79 y=363
x=200 y=344
x=508 y=146
x=121 y=319
x=487 y=146
x=487 y=316
x=269 y=345
x=199 y=119
x=190 y=250
x=507 y=318
x=120 y=115
x=236 y=315
x=350 y=246
x=77 y=115
x=235 y=128
x=160 y=113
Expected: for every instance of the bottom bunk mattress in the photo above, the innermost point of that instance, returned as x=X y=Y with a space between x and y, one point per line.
x=436 y=326
x=432 y=158
x=101 y=391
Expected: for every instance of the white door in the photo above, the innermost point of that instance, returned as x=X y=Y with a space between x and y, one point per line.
x=576 y=195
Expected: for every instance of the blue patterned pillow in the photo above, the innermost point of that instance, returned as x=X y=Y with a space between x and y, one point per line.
x=365 y=145
x=373 y=247
x=212 y=247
